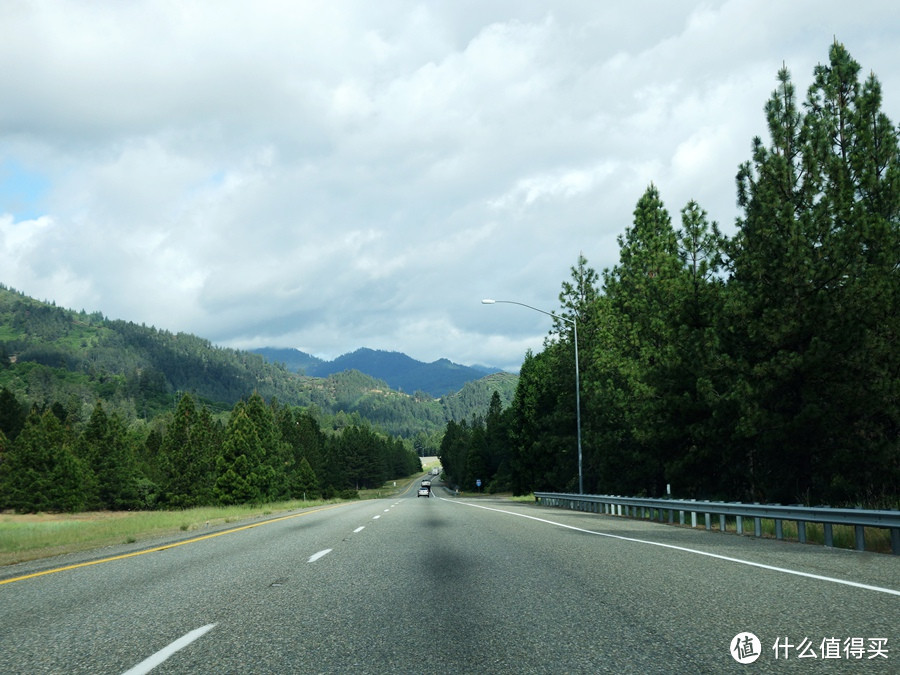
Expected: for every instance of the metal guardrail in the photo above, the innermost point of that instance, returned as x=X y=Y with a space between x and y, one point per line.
x=664 y=510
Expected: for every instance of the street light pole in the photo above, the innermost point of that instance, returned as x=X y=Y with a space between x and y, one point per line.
x=489 y=301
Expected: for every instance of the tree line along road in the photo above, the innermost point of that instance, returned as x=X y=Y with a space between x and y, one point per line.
x=453 y=585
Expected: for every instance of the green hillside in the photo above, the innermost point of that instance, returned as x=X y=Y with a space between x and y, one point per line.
x=53 y=355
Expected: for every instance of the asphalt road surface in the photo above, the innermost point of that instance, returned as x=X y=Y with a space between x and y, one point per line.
x=453 y=585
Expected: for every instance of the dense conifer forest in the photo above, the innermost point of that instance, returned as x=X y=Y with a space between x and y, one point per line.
x=106 y=414
x=760 y=367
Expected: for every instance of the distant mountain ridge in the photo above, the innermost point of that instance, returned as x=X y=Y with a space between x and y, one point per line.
x=399 y=371
x=50 y=355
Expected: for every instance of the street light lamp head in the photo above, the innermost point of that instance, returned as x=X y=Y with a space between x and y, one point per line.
x=574 y=322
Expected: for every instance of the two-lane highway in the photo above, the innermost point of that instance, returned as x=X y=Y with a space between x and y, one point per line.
x=452 y=585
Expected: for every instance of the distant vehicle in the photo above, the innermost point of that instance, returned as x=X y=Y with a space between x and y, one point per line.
x=435 y=471
x=424 y=492
x=426 y=483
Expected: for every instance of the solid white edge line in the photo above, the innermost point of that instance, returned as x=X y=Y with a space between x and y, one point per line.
x=316 y=556
x=150 y=663
x=750 y=563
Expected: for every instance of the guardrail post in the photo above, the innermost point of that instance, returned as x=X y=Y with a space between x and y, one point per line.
x=707 y=517
x=801 y=531
x=829 y=535
x=779 y=531
x=895 y=541
x=860 y=537
x=757 y=527
x=740 y=525
x=681 y=517
x=721 y=522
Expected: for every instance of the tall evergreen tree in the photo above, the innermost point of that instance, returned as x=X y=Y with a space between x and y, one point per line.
x=642 y=295
x=542 y=431
x=497 y=445
x=477 y=458
x=270 y=463
x=12 y=414
x=813 y=294
x=186 y=456
x=4 y=472
x=237 y=477
x=106 y=449
x=454 y=450
x=305 y=484
x=42 y=472
x=690 y=382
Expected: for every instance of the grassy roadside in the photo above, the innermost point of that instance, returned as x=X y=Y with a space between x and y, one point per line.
x=25 y=537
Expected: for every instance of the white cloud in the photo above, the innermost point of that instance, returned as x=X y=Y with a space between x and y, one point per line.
x=335 y=175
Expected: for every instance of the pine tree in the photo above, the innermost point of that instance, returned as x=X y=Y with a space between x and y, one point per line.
x=4 y=472
x=42 y=472
x=186 y=456
x=477 y=468
x=688 y=383
x=237 y=469
x=813 y=296
x=275 y=457
x=643 y=293
x=542 y=431
x=104 y=446
x=453 y=451
x=12 y=414
x=497 y=445
x=306 y=485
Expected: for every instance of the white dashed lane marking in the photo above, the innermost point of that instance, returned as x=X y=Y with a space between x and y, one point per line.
x=316 y=556
x=149 y=664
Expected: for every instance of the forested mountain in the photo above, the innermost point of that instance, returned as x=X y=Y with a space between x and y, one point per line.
x=439 y=378
x=293 y=359
x=761 y=367
x=104 y=414
x=49 y=354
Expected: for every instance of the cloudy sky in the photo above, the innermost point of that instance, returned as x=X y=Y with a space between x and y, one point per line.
x=329 y=175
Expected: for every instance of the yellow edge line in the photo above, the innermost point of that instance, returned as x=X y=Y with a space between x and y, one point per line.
x=165 y=546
